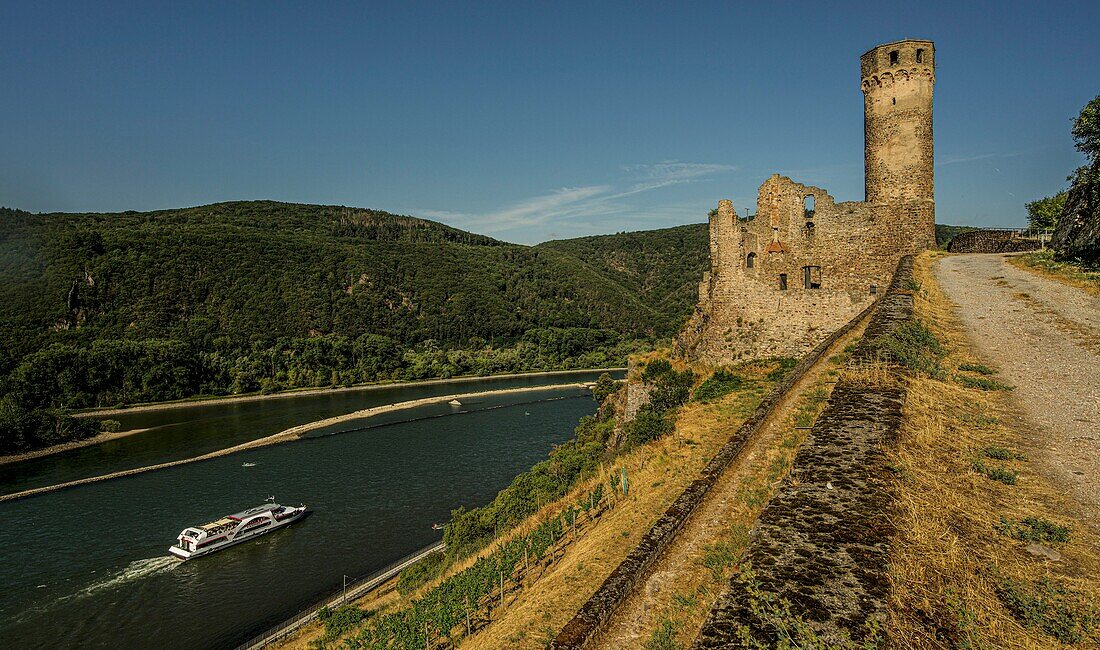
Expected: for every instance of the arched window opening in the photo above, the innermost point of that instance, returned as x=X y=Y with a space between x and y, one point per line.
x=750 y=260
x=782 y=281
x=920 y=55
x=811 y=277
x=808 y=206
x=810 y=228
x=894 y=57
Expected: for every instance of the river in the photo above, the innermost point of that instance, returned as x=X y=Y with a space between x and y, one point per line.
x=87 y=566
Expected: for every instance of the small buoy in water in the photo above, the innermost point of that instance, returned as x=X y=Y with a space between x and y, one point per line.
x=527 y=413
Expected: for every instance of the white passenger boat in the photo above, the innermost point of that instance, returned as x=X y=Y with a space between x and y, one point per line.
x=233 y=529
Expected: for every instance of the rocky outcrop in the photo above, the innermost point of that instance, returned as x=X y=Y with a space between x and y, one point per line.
x=991 y=241
x=1077 y=236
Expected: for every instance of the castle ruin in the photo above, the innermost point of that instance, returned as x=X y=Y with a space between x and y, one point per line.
x=781 y=281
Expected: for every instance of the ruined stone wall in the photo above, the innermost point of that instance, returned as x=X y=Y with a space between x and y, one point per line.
x=847 y=249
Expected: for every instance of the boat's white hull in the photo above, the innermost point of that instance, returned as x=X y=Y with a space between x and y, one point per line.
x=242 y=536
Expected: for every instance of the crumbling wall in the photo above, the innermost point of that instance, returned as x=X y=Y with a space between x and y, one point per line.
x=849 y=250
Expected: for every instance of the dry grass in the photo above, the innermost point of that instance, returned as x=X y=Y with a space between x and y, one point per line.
x=1043 y=263
x=949 y=561
x=670 y=608
x=659 y=472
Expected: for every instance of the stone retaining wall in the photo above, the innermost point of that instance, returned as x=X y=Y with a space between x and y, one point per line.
x=822 y=542
x=586 y=625
x=990 y=241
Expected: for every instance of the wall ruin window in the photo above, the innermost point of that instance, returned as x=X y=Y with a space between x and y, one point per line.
x=808 y=206
x=750 y=260
x=894 y=57
x=811 y=277
x=782 y=281
x=810 y=228
x=874 y=289
x=920 y=55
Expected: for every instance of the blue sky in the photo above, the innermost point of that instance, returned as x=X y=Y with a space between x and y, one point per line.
x=525 y=121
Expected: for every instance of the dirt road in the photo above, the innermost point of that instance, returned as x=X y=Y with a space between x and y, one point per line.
x=1044 y=337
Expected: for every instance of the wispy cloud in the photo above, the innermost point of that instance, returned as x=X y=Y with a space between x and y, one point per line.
x=955 y=160
x=587 y=202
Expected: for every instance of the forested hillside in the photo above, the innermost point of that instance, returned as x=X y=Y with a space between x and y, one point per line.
x=662 y=267
x=102 y=309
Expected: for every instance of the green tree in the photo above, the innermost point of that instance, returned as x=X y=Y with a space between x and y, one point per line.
x=1042 y=214
x=605 y=385
x=1086 y=129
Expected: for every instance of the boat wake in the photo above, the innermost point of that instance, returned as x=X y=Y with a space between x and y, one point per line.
x=135 y=570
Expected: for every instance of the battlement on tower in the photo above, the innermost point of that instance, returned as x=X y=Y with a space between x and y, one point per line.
x=782 y=281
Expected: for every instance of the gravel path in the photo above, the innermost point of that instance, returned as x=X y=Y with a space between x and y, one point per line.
x=1044 y=337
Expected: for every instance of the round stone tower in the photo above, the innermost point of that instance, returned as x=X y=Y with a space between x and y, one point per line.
x=897 y=121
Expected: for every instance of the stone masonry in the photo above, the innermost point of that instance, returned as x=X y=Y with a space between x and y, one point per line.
x=804 y=265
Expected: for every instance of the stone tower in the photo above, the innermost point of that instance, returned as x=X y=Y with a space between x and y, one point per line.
x=897 y=80
x=806 y=264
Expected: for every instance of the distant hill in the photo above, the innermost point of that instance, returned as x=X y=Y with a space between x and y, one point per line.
x=251 y=271
x=662 y=267
x=99 y=309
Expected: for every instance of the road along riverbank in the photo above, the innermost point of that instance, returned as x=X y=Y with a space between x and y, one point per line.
x=293 y=433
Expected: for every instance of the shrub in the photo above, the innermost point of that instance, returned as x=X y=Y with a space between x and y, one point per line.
x=1034 y=529
x=604 y=387
x=1002 y=453
x=718 y=385
x=664 y=637
x=647 y=425
x=981 y=383
x=413 y=577
x=1057 y=611
x=976 y=367
x=914 y=346
x=995 y=473
x=110 y=426
x=340 y=620
x=656 y=369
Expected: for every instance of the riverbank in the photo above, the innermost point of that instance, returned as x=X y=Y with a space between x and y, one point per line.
x=293 y=433
x=106 y=436
x=302 y=392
